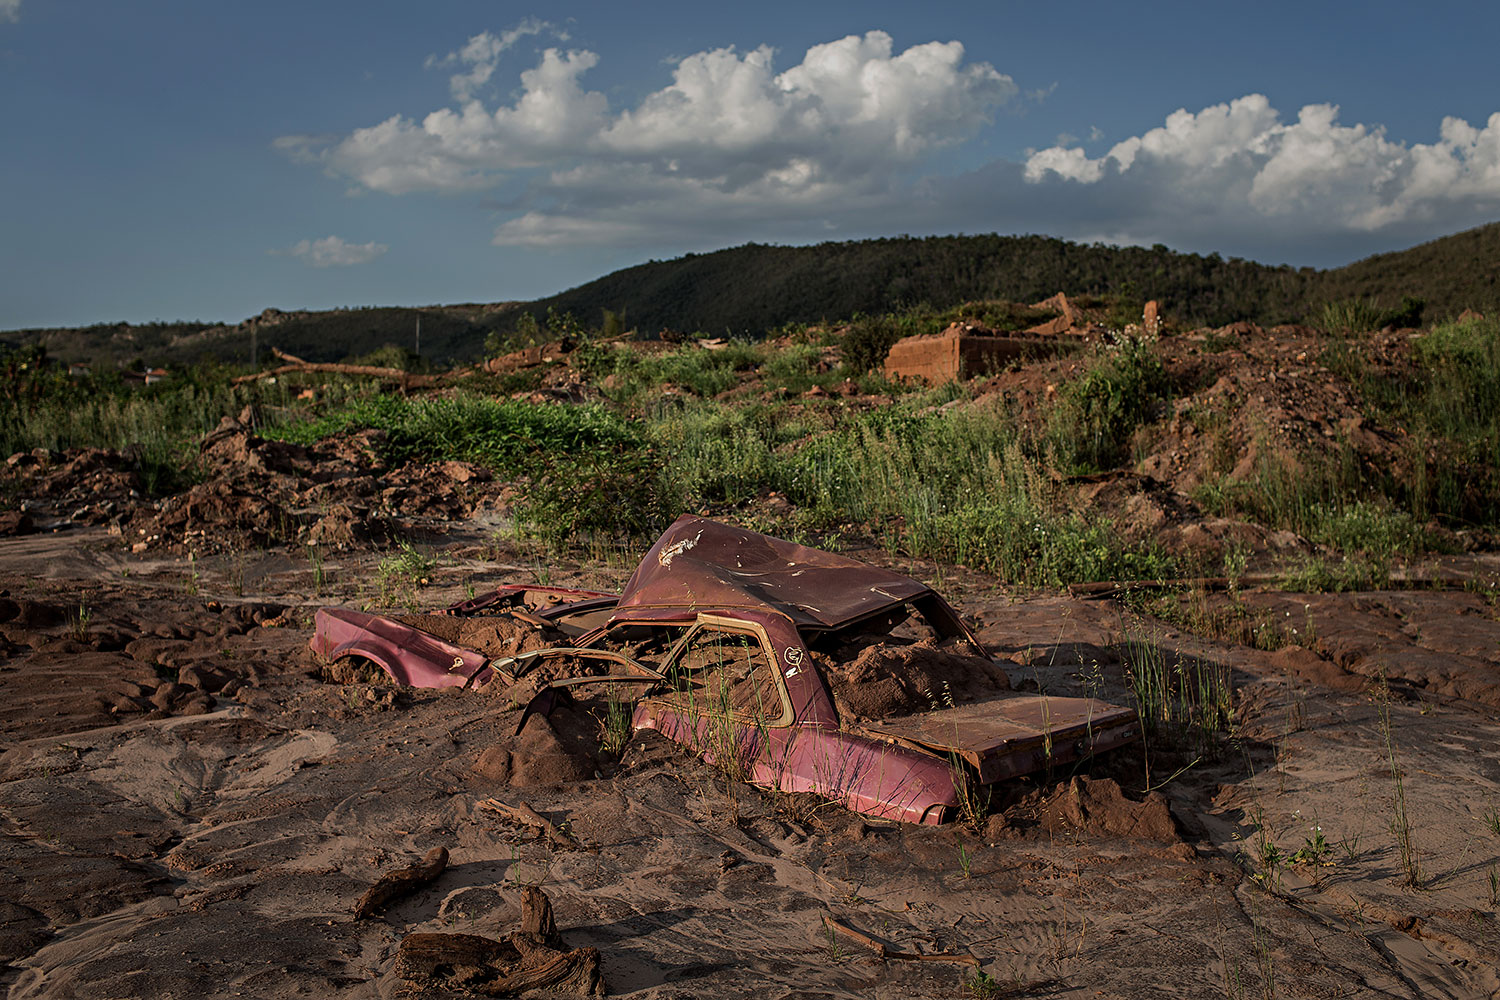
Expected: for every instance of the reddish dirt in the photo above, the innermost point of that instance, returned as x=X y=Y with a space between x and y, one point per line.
x=193 y=808
x=193 y=803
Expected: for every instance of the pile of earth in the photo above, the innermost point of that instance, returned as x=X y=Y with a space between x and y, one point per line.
x=1244 y=401
x=256 y=493
x=879 y=677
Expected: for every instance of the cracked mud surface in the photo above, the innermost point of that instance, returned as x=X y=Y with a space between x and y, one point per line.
x=191 y=808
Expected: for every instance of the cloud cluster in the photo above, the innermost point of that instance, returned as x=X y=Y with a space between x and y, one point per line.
x=332 y=251
x=1240 y=163
x=729 y=137
x=10 y=10
x=481 y=54
x=841 y=144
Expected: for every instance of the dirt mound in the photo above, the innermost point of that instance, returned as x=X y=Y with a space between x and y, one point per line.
x=550 y=750
x=1098 y=806
x=492 y=635
x=255 y=493
x=885 y=679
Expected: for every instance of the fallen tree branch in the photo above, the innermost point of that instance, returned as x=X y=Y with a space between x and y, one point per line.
x=883 y=952
x=406 y=379
x=402 y=882
x=527 y=816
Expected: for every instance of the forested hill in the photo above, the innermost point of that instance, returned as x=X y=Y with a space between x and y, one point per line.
x=751 y=289
x=1451 y=274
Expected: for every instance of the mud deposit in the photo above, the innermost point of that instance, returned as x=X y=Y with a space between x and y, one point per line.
x=191 y=808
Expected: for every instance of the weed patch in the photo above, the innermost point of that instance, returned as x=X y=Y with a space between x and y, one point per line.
x=1121 y=388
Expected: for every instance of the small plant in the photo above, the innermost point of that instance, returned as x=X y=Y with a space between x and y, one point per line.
x=614 y=725
x=536 y=877
x=320 y=579
x=965 y=860
x=1400 y=822
x=402 y=573
x=1494 y=885
x=81 y=620
x=982 y=986
x=1492 y=820
x=835 y=950
x=1314 y=850
x=190 y=586
x=1268 y=859
x=973 y=798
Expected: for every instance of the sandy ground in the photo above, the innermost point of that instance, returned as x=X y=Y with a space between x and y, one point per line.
x=210 y=838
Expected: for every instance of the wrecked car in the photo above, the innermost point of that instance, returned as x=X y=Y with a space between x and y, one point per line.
x=805 y=670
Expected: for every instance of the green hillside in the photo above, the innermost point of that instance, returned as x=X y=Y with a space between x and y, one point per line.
x=751 y=289
x=1451 y=274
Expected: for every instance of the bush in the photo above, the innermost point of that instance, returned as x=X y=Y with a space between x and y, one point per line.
x=1360 y=315
x=1119 y=390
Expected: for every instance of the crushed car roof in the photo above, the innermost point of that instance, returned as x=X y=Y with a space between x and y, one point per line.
x=701 y=564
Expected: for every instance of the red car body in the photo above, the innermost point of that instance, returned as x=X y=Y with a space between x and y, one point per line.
x=711 y=595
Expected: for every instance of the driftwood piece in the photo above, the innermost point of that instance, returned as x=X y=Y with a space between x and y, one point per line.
x=536 y=914
x=891 y=954
x=402 y=882
x=527 y=816
x=533 y=958
x=296 y=364
x=404 y=377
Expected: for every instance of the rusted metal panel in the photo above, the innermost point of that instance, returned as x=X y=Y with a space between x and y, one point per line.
x=409 y=655
x=1014 y=735
x=705 y=565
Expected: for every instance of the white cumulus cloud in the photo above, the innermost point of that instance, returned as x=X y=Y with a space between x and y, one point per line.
x=481 y=54
x=728 y=136
x=1242 y=163
x=332 y=251
x=10 y=10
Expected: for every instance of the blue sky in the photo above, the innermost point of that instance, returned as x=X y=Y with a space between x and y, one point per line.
x=190 y=160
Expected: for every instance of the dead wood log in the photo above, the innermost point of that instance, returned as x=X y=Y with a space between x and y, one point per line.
x=402 y=882
x=536 y=914
x=533 y=958
x=883 y=952
x=1110 y=588
x=407 y=379
x=575 y=972
x=527 y=816
x=296 y=364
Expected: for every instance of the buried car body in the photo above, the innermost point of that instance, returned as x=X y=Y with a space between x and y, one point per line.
x=741 y=644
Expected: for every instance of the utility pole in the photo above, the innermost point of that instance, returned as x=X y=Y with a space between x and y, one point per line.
x=419 y=335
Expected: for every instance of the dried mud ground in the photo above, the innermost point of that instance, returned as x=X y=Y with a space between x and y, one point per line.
x=211 y=838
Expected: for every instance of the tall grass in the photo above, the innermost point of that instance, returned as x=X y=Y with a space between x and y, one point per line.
x=955 y=486
x=1177 y=696
x=1120 y=389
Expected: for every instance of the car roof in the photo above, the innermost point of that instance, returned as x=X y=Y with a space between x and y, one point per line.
x=702 y=564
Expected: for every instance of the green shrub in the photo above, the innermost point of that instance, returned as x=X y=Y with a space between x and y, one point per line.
x=508 y=436
x=1120 y=389
x=1360 y=315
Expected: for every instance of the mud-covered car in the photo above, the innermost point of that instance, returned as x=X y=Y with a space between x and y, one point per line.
x=817 y=672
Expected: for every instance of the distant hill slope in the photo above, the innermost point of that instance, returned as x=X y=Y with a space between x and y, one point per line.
x=750 y=289
x=1452 y=274
x=753 y=288
x=448 y=333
